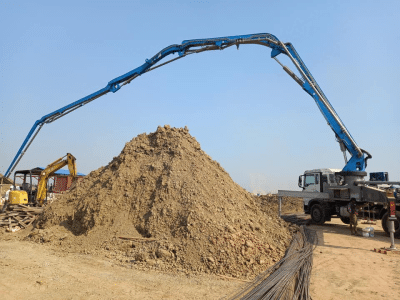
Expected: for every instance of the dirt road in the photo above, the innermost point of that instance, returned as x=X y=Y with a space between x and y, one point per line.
x=344 y=268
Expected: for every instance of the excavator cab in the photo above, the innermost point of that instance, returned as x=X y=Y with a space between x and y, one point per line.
x=28 y=187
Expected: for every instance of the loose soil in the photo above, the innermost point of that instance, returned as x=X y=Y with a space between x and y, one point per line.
x=290 y=205
x=344 y=267
x=175 y=207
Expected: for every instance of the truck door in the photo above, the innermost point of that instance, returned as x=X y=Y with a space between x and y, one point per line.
x=312 y=182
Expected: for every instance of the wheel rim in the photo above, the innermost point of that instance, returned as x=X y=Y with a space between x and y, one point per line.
x=316 y=215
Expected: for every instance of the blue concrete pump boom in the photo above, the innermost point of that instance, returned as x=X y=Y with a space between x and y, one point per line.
x=358 y=158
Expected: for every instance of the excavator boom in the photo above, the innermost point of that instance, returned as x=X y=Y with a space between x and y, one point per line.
x=50 y=170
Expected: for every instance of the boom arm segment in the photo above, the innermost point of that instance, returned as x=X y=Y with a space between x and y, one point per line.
x=357 y=162
x=114 y=85
x=50 y=170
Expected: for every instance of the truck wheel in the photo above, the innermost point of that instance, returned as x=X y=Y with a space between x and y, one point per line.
x=385 y=225
x=318 y=214
x=345 y=220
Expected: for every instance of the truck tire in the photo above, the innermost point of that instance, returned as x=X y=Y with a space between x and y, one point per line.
x=318 y=214
x=385 y=220
x=345 y=220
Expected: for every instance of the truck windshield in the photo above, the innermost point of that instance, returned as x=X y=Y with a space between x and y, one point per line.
x=310 y=179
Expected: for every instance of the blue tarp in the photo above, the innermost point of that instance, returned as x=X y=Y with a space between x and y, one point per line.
x=64 y=172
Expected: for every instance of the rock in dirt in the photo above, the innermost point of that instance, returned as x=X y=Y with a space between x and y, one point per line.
x=162 y=253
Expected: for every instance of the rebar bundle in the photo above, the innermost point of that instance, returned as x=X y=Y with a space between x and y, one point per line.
x=290 y=277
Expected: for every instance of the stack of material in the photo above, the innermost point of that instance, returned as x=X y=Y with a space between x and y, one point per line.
x=19 y=216
x=5 y=184
x=5 y=180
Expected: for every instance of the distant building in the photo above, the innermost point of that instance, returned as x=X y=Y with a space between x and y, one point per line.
x=61 y=181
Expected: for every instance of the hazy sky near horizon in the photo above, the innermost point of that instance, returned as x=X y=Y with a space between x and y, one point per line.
x=244 y=110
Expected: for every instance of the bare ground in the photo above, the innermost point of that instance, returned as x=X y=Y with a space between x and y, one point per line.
x=345 y=267
x=33 y=271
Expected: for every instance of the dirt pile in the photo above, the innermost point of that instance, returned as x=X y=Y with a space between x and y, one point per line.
x=290 y=205
x=176 y=207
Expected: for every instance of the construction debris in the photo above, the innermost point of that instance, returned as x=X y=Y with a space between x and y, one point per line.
x=19 y=216
x=386 y=250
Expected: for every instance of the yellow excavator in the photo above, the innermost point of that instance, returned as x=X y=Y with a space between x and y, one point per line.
x=31 y=196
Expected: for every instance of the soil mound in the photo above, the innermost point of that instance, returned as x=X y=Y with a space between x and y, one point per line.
x=290 y=205
x=176 y=208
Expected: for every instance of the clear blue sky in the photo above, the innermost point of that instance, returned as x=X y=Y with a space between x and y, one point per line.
x=245 y=111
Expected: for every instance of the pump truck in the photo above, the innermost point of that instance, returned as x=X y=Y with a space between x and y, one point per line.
x=327 y=190
x=335 y=189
